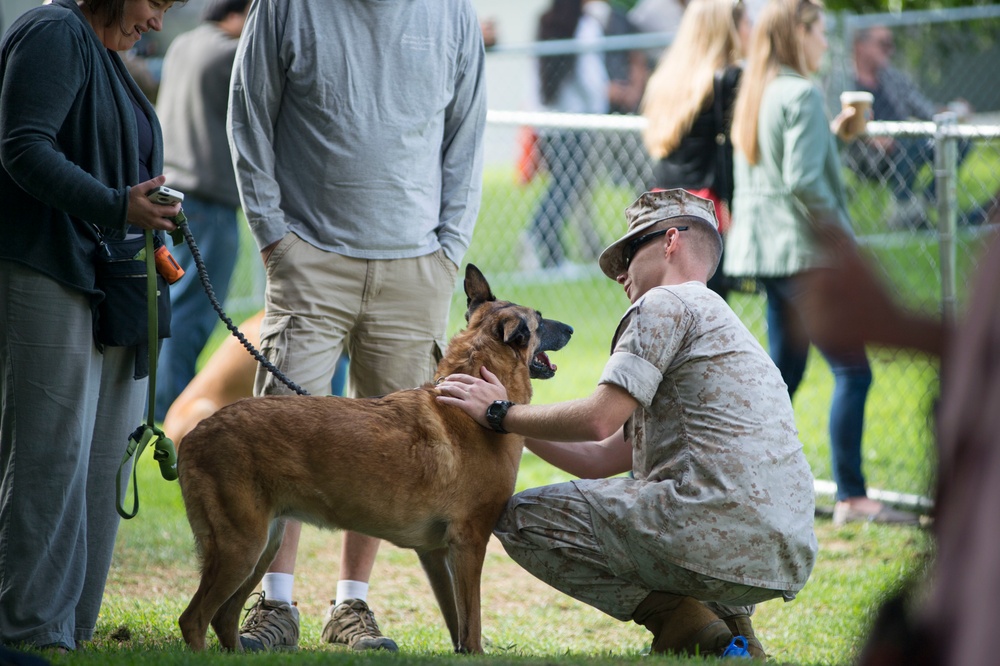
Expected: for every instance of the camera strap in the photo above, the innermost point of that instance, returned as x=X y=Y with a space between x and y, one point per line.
x=147 y=433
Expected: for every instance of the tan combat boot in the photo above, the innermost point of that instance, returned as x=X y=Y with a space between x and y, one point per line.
x=682 y=625
x=740 y=625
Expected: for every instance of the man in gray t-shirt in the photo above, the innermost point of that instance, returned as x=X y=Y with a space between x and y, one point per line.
x=356 y=130
x=717 y=514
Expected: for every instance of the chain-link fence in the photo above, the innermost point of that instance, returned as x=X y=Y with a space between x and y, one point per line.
x=537 y=239
x=928 y=263
x=921 y=197
x=951 y=54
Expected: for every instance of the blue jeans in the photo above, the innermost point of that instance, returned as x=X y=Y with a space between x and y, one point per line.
x=789 y=346
x=193 y=318
x=567 y=158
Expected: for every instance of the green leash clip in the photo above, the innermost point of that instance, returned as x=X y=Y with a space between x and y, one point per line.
x=163 y=452
x=177 y=235
x=148 y=434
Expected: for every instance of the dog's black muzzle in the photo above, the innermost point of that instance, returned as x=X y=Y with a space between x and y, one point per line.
x=552 y=336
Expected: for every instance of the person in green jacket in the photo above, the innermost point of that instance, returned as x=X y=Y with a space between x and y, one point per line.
x=787 y=177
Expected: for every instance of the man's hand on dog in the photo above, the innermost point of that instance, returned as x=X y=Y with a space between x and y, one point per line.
x=471 y=394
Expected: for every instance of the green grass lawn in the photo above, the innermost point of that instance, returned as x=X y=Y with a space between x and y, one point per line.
x=155 y=572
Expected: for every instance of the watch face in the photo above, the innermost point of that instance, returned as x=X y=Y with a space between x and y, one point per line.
x=495 y=413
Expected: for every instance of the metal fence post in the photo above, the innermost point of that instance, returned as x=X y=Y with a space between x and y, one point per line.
x=945 y=177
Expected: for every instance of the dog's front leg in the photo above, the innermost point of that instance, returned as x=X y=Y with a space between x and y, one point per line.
x=435 y=563
x=466 y=563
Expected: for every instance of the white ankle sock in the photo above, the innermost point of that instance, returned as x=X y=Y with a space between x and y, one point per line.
x=278 y=586
x=351 y=589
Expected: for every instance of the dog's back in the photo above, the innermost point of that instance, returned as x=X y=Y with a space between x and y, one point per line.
x=397 y=467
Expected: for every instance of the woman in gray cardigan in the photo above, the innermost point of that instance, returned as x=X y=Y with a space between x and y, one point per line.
x=787 y=175
x=79 y=145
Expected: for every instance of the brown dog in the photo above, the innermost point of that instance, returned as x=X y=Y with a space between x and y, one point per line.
x=434 y=480
x=227 y=377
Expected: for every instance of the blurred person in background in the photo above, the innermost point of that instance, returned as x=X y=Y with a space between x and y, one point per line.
x=689 y=107
x=628 y=69
x=489 y=28
x=80 y=147
x=142 y=69
x=942 y=615
x=898 y=161
x=628 y=73
x=658 y=15
x=788 y=173
x=571 y=83
x=192 y=106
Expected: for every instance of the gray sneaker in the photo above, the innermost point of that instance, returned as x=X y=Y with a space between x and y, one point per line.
x=353 y=624
x=270 y=625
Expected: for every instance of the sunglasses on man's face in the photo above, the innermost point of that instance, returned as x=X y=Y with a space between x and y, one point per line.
x=634 y=246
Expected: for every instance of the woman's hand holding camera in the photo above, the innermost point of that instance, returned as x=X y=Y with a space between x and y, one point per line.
x=147 y=214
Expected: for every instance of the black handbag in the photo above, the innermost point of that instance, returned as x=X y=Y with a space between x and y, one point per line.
x=724 y=147
x=121 y=318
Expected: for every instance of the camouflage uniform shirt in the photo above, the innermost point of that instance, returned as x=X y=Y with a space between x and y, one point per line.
x=723 y=488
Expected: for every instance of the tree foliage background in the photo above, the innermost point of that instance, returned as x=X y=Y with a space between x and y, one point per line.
x=867 y=6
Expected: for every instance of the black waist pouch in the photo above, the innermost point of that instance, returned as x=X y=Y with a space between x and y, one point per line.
x=121 y=316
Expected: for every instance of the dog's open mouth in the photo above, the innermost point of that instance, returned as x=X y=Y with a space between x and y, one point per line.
x=552 y=336
x=541 y=367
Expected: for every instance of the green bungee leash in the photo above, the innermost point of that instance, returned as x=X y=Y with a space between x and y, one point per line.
x=148 y=434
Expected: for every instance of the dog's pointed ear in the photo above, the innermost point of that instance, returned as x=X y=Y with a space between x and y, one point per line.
x=477 y=290
x=515 y=332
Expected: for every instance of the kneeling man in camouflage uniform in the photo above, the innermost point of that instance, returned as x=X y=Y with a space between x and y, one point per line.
x=717 y=514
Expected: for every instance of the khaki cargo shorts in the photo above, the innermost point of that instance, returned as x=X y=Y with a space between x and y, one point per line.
x=390 y=315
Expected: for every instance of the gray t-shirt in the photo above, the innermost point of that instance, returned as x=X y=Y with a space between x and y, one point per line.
x=727 y=491
x=359 y=125
x=192 y=106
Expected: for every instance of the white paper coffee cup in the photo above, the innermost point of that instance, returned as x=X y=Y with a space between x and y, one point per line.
x=862 y=102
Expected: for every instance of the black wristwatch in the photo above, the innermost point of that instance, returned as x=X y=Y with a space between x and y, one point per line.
x=496 y=412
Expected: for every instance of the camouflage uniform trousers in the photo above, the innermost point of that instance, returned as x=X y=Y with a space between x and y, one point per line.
x=550 y=532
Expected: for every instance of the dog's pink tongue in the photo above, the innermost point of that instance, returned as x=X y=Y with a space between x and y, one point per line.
x=543 y=358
